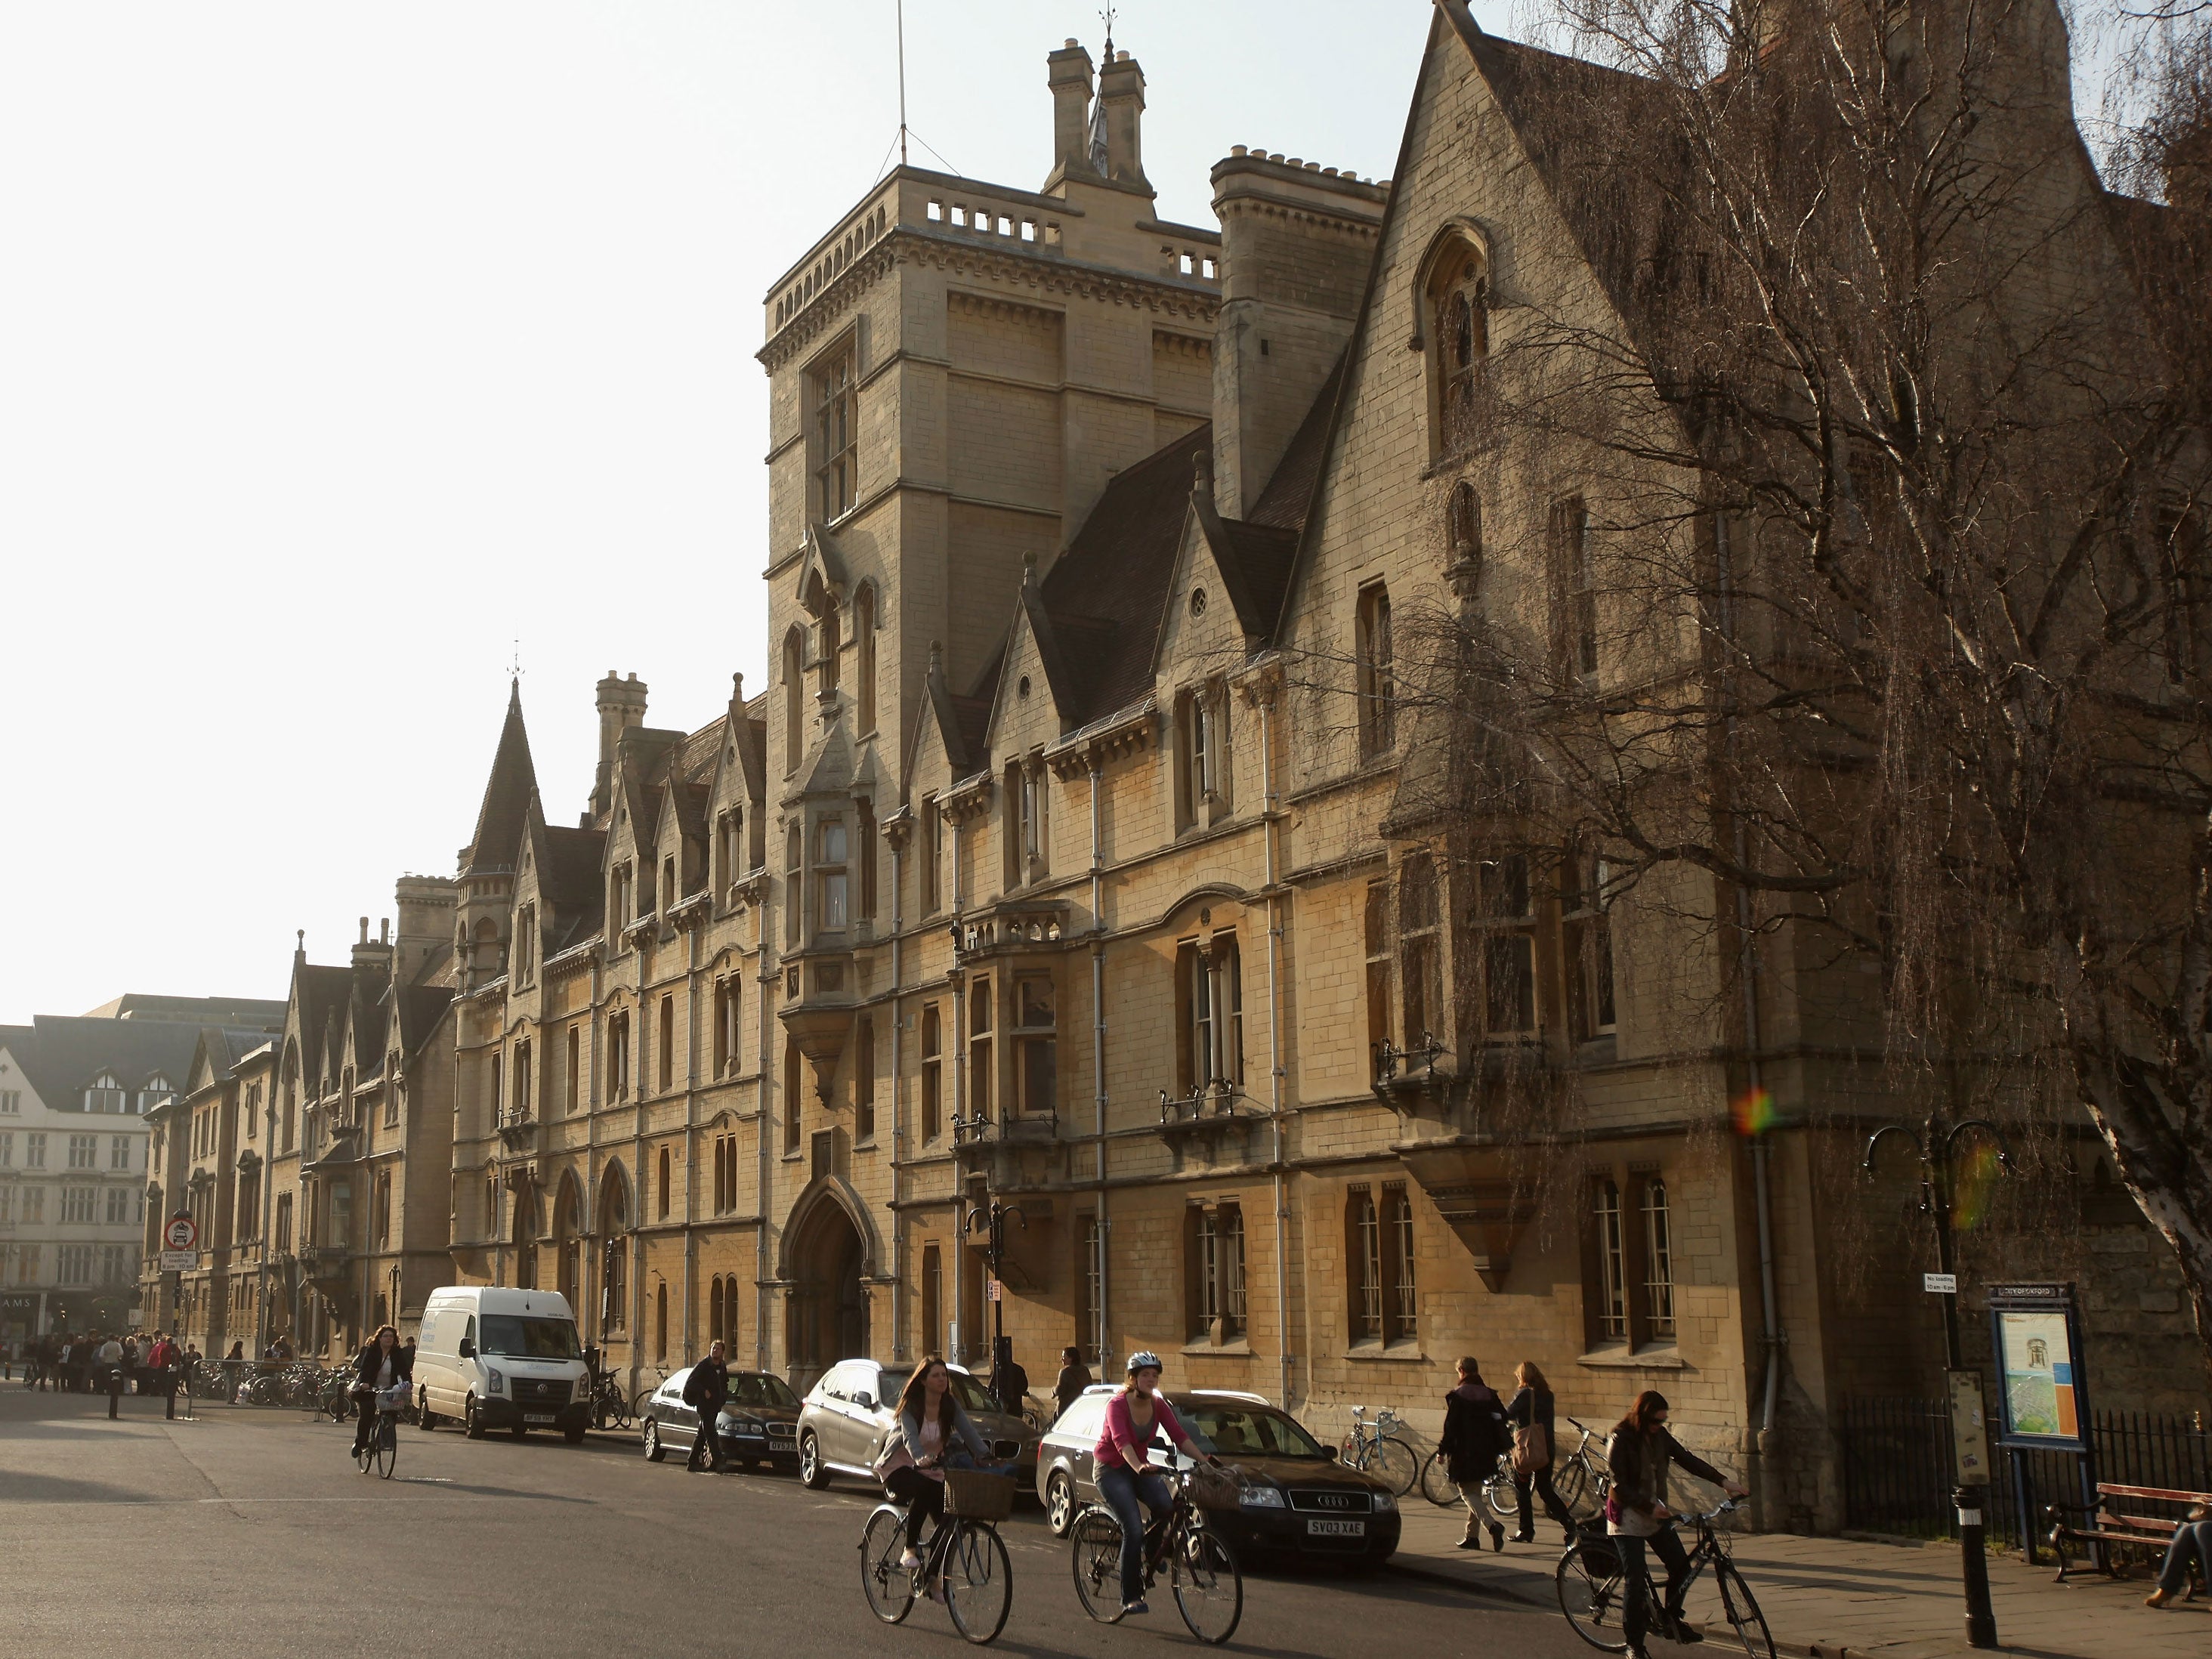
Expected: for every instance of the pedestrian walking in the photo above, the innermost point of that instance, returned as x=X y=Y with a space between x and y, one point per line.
x=1074 y=1378
x=1473 y=1440
x=704 y=1391
x=1641 y=1452
x=130 y=1364
x=109 y=1359
x=1530 y=1413
x=1010 y=1384
x=165 y=1360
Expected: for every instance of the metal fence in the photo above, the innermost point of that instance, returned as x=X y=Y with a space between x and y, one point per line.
x=1898 y=1471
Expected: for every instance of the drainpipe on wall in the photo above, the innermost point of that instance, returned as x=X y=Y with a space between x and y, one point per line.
x=959 y=1107
x=898 y=1116
x=1275 y=1048
x=763 y=1093
x=1748 y=966
x=691 y=1137
x=1098 y=1048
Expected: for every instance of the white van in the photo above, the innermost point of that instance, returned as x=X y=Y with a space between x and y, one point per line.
x=500 y=1358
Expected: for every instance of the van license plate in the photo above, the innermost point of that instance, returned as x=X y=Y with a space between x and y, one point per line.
x=1336 y=1529
x=547 y=1418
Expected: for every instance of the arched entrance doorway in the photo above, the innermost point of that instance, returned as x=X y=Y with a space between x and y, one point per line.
x=826 y=1308
x=614 y=1244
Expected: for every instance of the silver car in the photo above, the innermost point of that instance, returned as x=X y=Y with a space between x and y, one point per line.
x=845 y=1417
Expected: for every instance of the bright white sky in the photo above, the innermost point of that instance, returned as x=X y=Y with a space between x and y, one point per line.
x=342 y=346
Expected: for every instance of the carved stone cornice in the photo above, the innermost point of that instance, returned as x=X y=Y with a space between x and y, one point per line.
x=970 y=798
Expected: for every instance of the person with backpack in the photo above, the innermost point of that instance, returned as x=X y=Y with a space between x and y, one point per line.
x=1530 y=1413
x=1473 y=1440
x=1641 y=1452
x=704 y=1391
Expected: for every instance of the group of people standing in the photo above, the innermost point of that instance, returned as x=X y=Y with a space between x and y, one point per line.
x=1481 y=1427
x=95 y=1362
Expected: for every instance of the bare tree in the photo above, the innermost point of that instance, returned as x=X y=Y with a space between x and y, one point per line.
x=1875 y=585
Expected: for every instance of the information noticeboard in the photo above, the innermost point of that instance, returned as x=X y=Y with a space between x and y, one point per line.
x=2042 y=1398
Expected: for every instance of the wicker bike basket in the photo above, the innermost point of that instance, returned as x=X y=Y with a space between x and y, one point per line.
x=974 y=1496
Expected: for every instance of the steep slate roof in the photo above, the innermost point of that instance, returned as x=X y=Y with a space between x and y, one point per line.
x=60 y=1055
x=188 y=1011
x=1282 y=505
x=1108 y=593
x=419 y=1008
x=498 y=840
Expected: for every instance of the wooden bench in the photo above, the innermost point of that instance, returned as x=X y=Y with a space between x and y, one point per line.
x=2106 y=1523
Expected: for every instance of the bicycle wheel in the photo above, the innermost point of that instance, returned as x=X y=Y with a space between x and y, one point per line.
x=1497 y=1492
x=388 y=1447
x=1392 y=1460
x=1437 y=1485
x=1209 y=1590
x=1096 y=1538
x=888 y=1586
x=1571 y=1480
x=979 y=1581
x=1746 y=1624
x=1590 y=1594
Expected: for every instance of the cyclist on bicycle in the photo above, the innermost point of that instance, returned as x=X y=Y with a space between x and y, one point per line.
x=912 y=1463
x=381 y=1365
x=1126 y=1477
x=1636 y=1513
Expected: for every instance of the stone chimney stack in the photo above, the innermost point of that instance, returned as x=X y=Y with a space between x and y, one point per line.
x=1297 y=240
x=1121 y=90
x=622 y=705
x=366 y=954
x=1067 y=72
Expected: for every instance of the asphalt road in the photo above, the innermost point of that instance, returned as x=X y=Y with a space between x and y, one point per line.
x=249 y=1531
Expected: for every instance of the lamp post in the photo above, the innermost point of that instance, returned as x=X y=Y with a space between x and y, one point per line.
x=1935 y=1144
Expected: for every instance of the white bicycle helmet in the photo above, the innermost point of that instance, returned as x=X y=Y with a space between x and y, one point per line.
x=1143 y=1359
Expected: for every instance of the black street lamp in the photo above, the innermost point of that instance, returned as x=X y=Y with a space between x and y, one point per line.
x=992 y=1222
x=1935 y=1146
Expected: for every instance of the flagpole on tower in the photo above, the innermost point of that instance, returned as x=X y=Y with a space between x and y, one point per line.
x=902 y=58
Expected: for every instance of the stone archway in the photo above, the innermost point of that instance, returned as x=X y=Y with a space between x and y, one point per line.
x=826 y=1308
x=568 y=1242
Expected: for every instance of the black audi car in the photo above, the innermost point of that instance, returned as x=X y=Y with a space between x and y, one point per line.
x=1296 y=1498
x=759 y=1424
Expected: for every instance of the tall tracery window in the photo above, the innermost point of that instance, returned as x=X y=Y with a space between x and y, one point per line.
x=1612 y=1278
x=794 y=889
x=1420 y=948
x=1214 y=1258
x=933 y=1073
x=1505 y=922
x=794 y=698
x=1463 y=531
x=1658 y=1262
x=1589 y=941
x=864 y=858
x=1458 y=301
x=1377 y=672
x=864 y=660
x=1574 y=591
x=836 y=431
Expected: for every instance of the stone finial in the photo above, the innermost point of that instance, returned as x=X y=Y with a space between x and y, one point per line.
x=1029 y=568
x=1202 y=477
x=937 y=660
x=738 y=689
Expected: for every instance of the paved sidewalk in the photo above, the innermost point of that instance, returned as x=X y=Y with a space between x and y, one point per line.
x=1836 y=1598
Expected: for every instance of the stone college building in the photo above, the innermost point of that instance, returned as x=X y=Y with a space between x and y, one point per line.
x=1073 y=869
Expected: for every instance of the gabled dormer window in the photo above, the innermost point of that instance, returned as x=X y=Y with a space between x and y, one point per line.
x=103 y=1094
x=156 y=1091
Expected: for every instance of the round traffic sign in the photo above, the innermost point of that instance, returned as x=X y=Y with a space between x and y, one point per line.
x=182 y=1233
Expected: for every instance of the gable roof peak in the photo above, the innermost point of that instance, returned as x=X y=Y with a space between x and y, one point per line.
x=506 y=795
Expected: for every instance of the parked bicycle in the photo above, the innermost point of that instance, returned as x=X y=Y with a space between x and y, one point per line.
x=1380 y=1449
x=965 y=1554
x=645 y=1391
x=1201 y=1569
x=381 y=1451
x=609 y=1405
x=1593 y=1591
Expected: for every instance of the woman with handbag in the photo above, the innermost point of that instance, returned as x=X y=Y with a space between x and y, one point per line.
x=1529 y=1411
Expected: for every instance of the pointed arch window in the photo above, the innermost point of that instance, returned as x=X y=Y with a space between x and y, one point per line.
x=833 y=643
x=864 y=660
x=1456 y=329
x=794 y=698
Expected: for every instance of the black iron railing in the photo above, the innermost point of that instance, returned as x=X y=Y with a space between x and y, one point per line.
x=1899 y=1472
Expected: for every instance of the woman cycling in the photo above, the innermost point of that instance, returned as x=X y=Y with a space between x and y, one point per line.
x=381 y=1365
x=912 y=1463
x=1126 y=1477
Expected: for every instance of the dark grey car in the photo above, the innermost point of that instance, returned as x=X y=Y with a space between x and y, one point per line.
x=758 y=1424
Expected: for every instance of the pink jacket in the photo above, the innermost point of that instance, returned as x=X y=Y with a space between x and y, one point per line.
x=1120 y=1432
